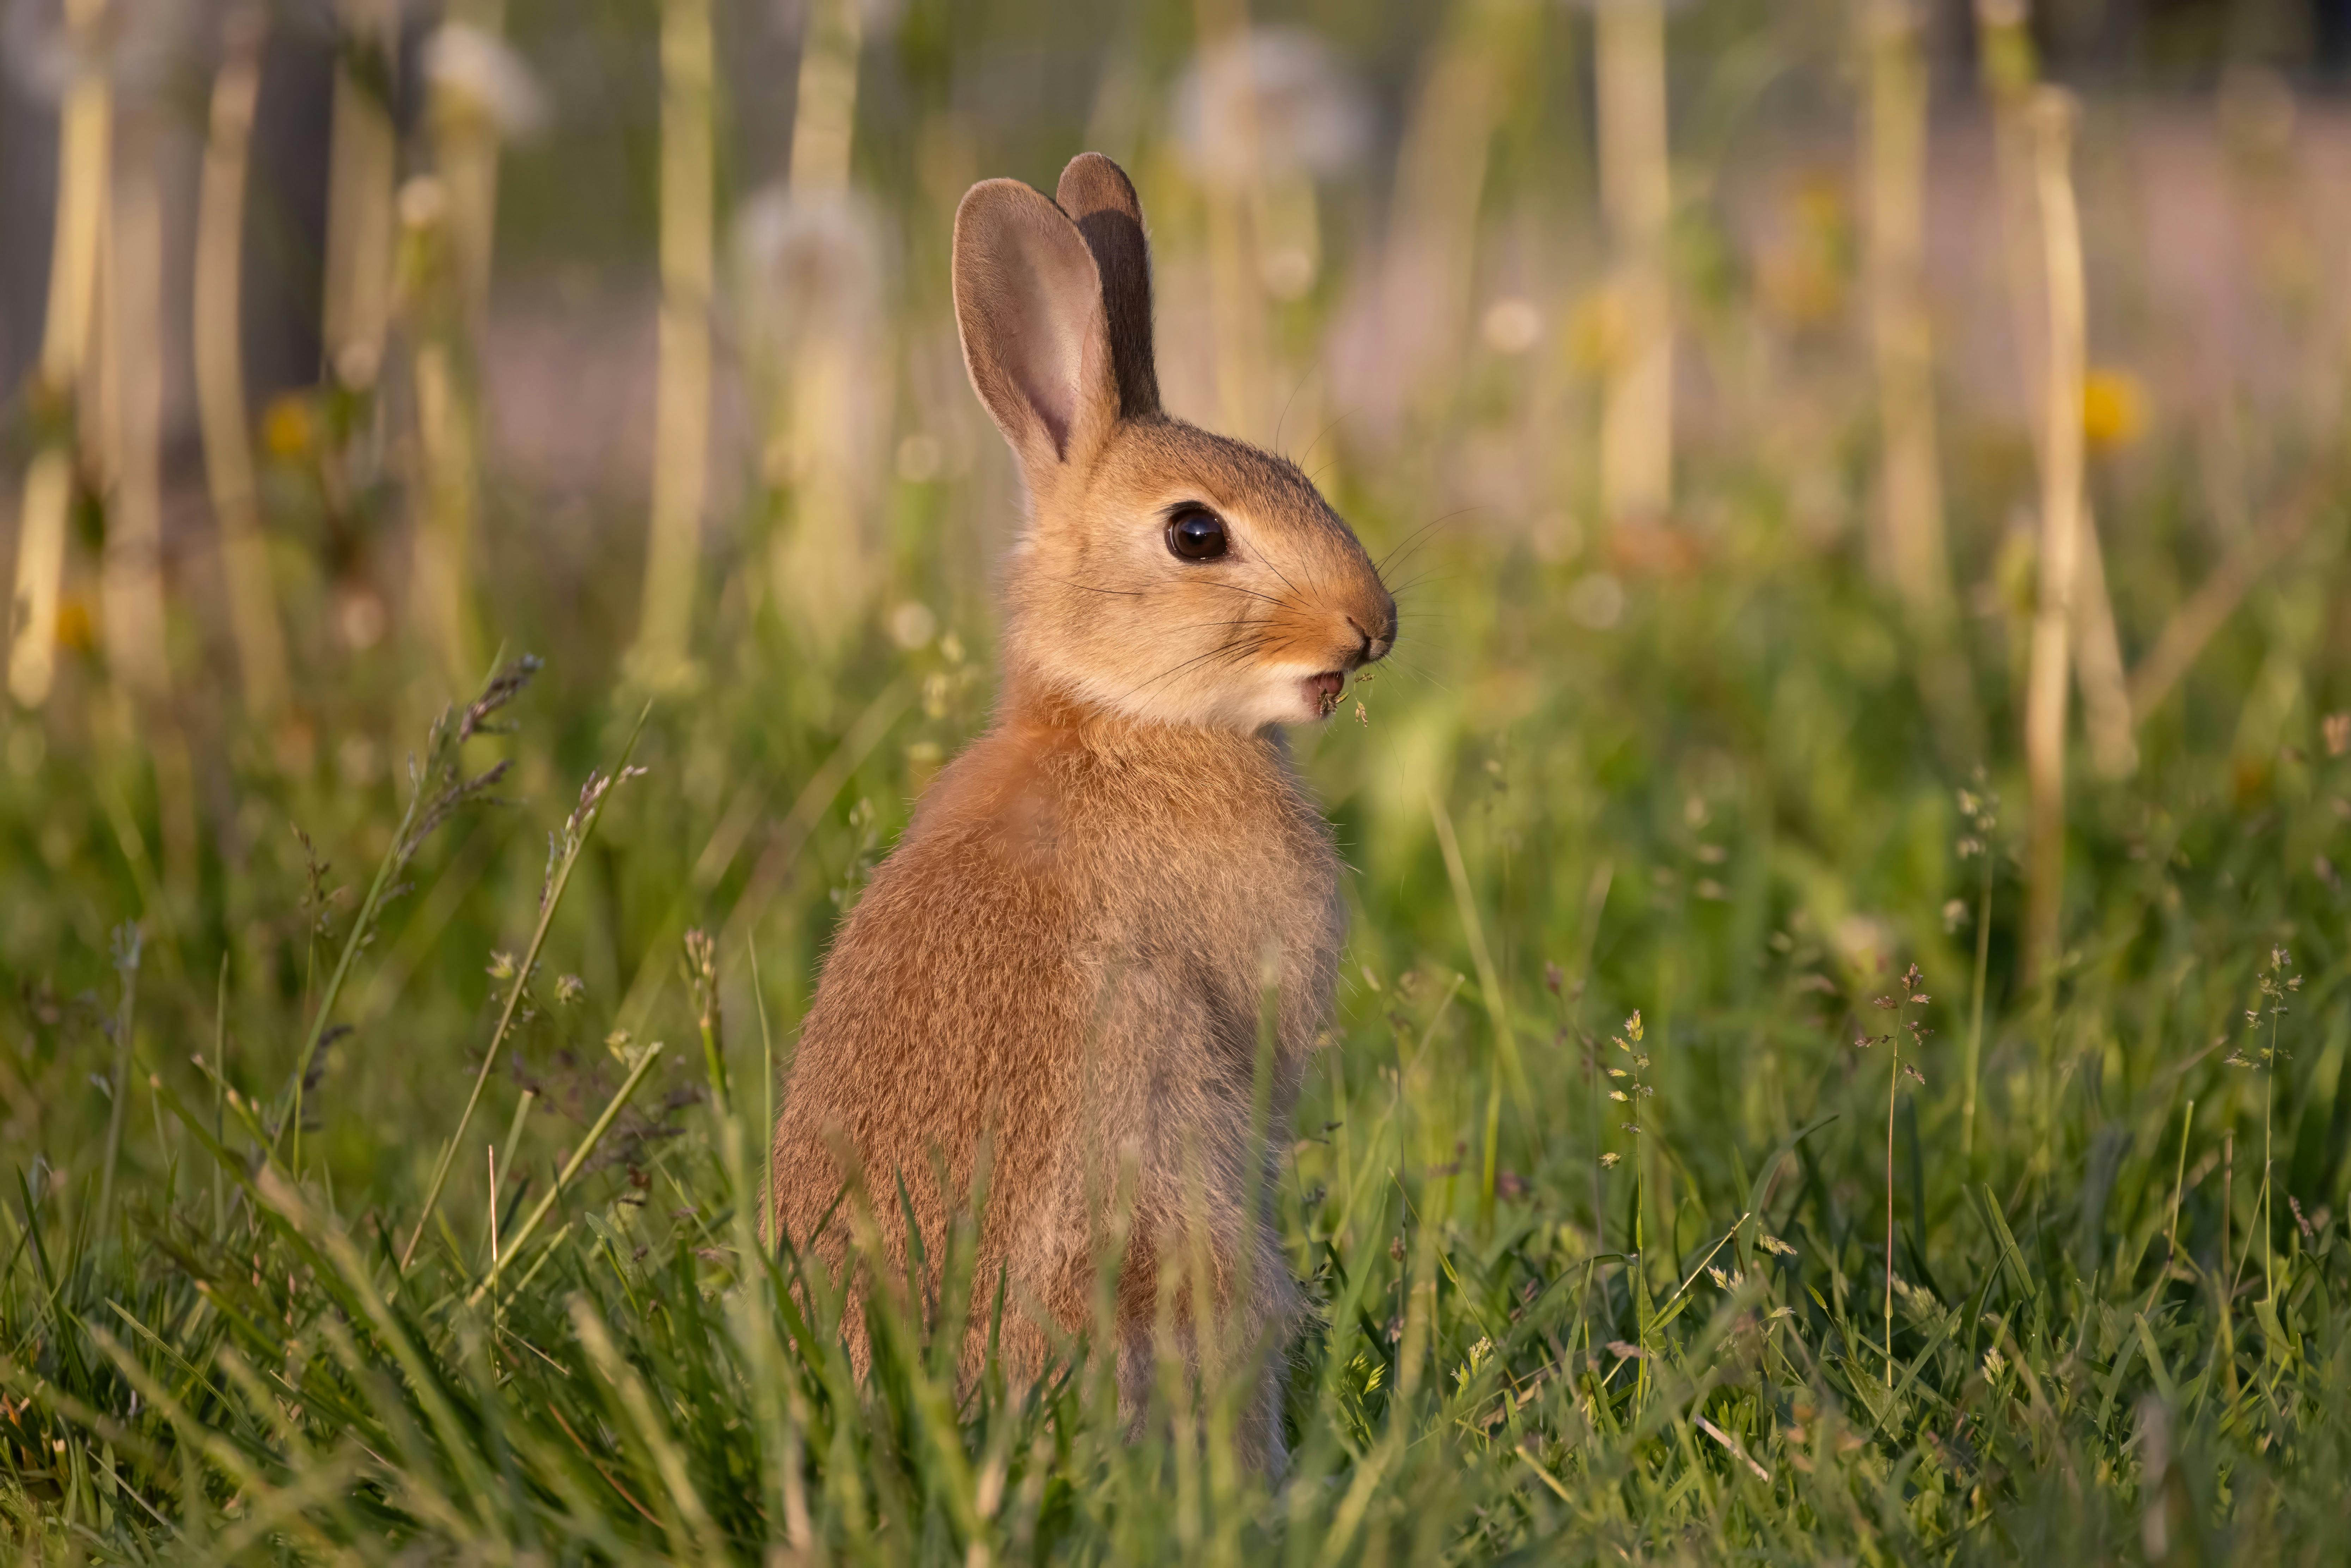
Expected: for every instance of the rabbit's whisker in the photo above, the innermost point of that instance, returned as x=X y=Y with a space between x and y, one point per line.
x=1306 y=376
x=1237 y=588
x=1423 y=578
x=1402 y=548
x=1335 y=420
x=1277 y=570
x=1233 y=648
x=1093 y=587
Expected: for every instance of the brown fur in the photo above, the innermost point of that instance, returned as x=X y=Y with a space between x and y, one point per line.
x=1064 y=959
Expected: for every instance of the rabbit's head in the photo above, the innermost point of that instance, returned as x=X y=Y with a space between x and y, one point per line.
x=1165 y=574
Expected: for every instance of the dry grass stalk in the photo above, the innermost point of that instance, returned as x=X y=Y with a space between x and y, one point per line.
x=1440 y=175
x=1507 y=1066
x=362 y=169
x=1911 y=549
x=2106 y=713
x=130 y=584
x=682 y=394
x=2195 y=622
x=447 y=459
x=466 y=128
x=818 y=297
x=1911 y=543
x=1237 y=303
x=219 y=363
x=450 y=218
x=1637 y=446
x=445 y=428
x=824 y=116
x=2061 y=526
x=84 y=154
x=40 y=566
x=2010 y=67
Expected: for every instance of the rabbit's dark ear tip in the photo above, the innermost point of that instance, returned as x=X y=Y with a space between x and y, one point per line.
x=1092 y=184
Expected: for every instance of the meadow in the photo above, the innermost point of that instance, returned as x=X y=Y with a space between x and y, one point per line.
x=1840 y=1055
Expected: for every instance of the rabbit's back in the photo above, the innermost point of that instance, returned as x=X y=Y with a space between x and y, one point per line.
x=1067 y=954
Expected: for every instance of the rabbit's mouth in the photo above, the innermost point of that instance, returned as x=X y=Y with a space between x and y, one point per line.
x=1323 y=691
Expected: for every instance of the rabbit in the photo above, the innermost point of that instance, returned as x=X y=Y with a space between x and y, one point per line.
x=1066 y=959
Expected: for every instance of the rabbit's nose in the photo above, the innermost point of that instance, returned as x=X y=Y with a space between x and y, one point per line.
x=1374 y=645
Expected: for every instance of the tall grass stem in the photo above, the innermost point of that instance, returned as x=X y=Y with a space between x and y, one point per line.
x=85 y=135
x=1506 y=1065
x=1636 y=439
x=682 y=387
x=571 y=1168
x=557 y=884
x=219 y=364
x=2053 y=118
x=127 y=942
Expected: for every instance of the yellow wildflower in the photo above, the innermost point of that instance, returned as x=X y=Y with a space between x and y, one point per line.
x=2114 y=409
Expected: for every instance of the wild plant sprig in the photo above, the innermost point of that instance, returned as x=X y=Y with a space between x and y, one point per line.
x=1899 y=1005
x=641 y=1062
x=1631 y=1090
x=2276 y=985
x=1981 y=806
x=127 y=945
x=438 y=788
x=701 y=965
x=564 y=852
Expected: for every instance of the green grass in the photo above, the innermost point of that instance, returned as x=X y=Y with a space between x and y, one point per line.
x=380 y=1140
x=1726 y=813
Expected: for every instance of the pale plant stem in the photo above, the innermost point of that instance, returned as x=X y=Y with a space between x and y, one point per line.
x=130 y=584
x=1976 y=1012
x=1595 y=902
x=1636 y=200
x=360 y=924
x=2048 y=678
x=1237 y=307
x=1893 y=1091
x=85 y=133
x=363 y=923
x=564 y=1178
x=1911 y=548
x=1644 y=1316
x=219 y=1087
x=2269 y=1199
x=2228 y=1328
x=364 y=163
x=768 y=1090
x=753 y=1307
x=1709 y=1258
x=1507 y=1067
x=126 y=963
x=218 y=366
x=1599 y=1195
x=824 y=119
x=2171 y=1230
x=513 y=1139
x=491 y=1150
x=681 y=383
x=1640 y=1266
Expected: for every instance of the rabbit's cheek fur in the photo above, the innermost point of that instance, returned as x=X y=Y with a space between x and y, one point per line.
x=1102 y=610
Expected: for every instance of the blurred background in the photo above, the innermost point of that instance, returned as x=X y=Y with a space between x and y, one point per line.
x=1781 y=417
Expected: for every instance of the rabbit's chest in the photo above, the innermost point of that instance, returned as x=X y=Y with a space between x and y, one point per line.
x=1197 y=919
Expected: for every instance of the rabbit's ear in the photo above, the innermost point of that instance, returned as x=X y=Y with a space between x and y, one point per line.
x=1101 y=200
x=1029 y=304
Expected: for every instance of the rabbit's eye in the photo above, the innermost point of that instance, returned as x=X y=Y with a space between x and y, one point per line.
x=1197 y=533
